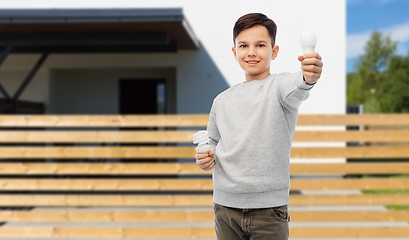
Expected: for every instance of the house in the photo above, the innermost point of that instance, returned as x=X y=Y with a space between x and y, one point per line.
x=151 y=57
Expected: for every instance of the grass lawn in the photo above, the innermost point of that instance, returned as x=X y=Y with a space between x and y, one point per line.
x=397 y=207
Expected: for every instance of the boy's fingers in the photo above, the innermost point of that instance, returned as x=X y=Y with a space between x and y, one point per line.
x=312 y=61
x=300 y=58
x=209 y=168
x=211 y=154
x=209 y=163
x=206 y=164
x=311 y=75
x=311 y=68
x=312 y=55
x=204 y=160
x=201 y=155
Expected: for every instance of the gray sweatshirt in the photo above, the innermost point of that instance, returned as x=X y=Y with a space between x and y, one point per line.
x=251 y=127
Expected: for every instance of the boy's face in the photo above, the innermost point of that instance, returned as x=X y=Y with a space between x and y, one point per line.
x=254 y=52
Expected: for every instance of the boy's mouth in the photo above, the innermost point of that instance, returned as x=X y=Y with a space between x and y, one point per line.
x=252 y=62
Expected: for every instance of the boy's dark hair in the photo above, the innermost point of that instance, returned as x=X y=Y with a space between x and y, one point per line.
x=253 y=19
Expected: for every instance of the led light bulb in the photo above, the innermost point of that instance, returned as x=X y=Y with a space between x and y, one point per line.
x=308 y=41
x=202 y=138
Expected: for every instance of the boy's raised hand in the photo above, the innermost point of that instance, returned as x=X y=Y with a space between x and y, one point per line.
x=311 y=66
x=205 y=160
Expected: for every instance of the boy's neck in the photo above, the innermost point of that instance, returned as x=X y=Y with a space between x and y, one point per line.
x=261 y=76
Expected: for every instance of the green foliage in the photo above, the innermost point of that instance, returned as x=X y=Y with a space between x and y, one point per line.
x=397 y=84
x=378 y=50
x=381 y=82
x=355 y=86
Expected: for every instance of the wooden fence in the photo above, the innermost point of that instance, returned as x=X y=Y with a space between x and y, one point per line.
x=58 y=169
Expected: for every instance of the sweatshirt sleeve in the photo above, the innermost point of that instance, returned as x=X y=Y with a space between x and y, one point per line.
x=293 y=90
x=212 y=129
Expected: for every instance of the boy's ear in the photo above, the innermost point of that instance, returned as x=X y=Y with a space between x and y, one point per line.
x=233 y=49
x=275 y=52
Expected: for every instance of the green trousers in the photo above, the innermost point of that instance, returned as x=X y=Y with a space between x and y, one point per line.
x=251 y=224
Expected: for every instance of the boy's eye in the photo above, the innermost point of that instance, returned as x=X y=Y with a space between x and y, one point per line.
x=243 y=46
x=261 y=45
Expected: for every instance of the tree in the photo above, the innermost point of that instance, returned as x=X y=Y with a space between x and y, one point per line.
x=377 y=77
x=396 y=86
x=378 y=51
x=355 y=88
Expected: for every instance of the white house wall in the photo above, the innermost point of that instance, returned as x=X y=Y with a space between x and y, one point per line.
x=96 y=91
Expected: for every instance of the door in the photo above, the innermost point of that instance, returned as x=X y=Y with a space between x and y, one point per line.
x=142 y=96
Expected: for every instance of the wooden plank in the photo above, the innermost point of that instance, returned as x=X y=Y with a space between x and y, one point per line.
x=186 y=136
x=102 y=200
x=108 y=184
x=102 y=168
x=190 y=184
x=203 y=200
x=349 y=216
x=192 y=232
x=161 y=216
x=350 y=184
x=350 y=152
x=349 y=168
x=353 y=120
x=104 y=120
x=349 y=200
x=192 y=168
x=97 y=152
x=352 y=136
x=189 y=120
x=107 y=216
x=96 y=136
x=349 y=232
x=107 y=232
x=190 y=152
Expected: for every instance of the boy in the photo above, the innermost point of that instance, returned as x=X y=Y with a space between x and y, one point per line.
x=251 y=126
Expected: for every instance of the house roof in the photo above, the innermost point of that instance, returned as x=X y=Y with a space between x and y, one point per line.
x=96 y=30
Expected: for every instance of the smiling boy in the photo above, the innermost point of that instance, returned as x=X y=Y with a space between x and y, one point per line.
x=251 y=127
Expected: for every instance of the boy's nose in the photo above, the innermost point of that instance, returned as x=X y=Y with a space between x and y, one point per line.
x=251 y=52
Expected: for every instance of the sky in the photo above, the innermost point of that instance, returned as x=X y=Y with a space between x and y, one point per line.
x=365 y=16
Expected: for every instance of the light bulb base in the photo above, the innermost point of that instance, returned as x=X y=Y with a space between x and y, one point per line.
x=308 y=49
x=203 y=149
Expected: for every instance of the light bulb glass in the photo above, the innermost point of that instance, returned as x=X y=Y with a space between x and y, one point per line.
x=308 y=42
x=202 y=139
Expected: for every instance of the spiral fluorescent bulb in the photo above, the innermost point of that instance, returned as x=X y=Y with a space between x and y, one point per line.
x=308 y=41
x=202 y=138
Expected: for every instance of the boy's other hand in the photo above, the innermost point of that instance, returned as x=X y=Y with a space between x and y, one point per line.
x=311 y=65
x=205 y=160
